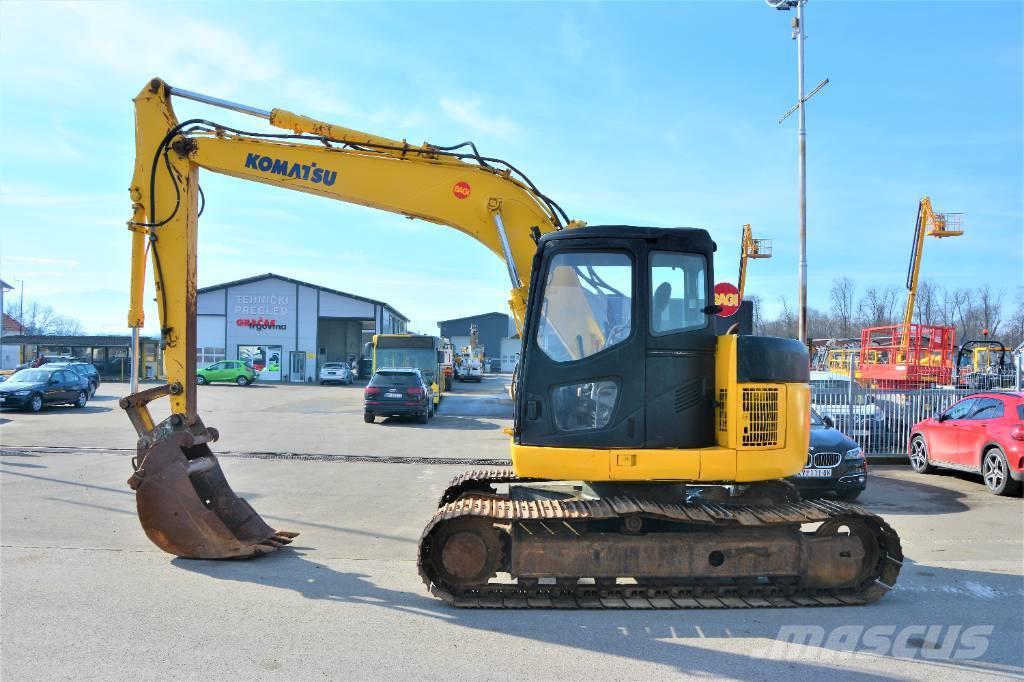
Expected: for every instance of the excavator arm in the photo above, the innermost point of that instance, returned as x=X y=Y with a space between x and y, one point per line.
x=185 y=505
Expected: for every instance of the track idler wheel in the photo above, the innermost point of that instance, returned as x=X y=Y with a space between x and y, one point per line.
x=883 y=554
x=466 y=552
x=187 y=508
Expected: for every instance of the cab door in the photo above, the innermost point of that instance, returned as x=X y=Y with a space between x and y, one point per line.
x=680 y=356
x=582 y=381
x=973 y=432
x=942 y=441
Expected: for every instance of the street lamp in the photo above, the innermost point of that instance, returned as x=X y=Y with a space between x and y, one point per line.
x=801 y=135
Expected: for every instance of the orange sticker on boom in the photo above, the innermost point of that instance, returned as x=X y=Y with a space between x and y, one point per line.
x=461 y=190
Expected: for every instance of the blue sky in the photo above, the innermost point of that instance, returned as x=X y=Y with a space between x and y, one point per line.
x=647 y=114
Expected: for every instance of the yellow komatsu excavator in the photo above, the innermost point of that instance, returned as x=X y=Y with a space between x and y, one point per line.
x=647 y=454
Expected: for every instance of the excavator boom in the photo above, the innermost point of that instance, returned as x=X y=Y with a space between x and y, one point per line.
x=184 y=502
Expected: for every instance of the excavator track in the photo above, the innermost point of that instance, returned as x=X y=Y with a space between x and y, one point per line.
x=473 y=536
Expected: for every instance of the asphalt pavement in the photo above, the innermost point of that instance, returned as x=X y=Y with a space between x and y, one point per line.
x=84 y=594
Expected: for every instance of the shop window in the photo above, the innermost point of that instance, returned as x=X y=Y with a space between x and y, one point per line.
x=208 y=355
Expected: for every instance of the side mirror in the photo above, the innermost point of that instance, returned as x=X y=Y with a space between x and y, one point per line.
x=941 y=417
x=828 y=422
x=54 y=382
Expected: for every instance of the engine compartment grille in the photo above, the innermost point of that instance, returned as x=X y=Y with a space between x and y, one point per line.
x=760 y=417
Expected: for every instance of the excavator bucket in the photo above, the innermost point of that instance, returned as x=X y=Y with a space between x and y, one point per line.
x=185 y=504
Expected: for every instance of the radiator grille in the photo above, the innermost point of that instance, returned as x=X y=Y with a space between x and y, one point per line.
x=723 y=416
x=827 y=460
x=761 y=417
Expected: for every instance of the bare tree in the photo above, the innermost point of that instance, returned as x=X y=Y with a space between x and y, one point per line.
x=989 y=309
x=785 y=324
x=842 y=310
x=43 y=320
x=821 y=325
x=1015 y=333
x=951 y=303
x=926 y=308
x=756 y=313
x=878 y=305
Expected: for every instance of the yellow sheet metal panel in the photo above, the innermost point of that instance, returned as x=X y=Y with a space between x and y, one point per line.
x=626 y=464
x=655 y=465
x=566 y=464
x=725 y=390
x=717 y=464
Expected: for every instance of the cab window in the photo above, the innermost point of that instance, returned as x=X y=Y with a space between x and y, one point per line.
x=587 y=305
x=678 y=292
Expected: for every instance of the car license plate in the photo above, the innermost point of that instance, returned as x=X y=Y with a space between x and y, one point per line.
x=392 y=395
x=815 y=473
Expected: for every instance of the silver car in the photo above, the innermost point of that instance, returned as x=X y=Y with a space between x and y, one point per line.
x=336 y=373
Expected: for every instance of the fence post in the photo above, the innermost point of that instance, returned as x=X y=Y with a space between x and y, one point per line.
x=1018 y=365
x=849 y=402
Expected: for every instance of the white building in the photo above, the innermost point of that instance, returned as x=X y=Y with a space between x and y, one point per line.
x=286 y=328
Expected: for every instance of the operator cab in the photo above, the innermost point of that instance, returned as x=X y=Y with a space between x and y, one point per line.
x=621 y=345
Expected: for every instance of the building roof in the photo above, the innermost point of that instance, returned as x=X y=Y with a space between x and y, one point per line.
x=472 y=317
x=271 y=275
x=95 y=341
x=11 y=324
x=5 y=285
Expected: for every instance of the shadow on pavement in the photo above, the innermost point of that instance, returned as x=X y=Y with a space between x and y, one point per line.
x=57 y=409
x=458 y=423
x=662 y=637
x=965 y=476
x=894 y=496
x=477 y=406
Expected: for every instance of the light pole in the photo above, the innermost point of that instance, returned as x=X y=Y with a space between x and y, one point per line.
x=801 y=135
x=21 y=305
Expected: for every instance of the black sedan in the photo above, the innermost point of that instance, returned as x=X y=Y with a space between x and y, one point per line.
x=835 y=463
x=86 y=370
x=32 y=388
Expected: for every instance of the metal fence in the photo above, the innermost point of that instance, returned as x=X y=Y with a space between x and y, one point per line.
x=880 y=420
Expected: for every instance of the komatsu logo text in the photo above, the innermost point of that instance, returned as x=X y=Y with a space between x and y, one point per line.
x=299 y=171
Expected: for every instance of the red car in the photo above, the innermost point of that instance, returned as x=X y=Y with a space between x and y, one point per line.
x=983 y=433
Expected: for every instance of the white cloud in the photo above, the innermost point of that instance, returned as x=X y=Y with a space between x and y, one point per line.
x=32 y=260
x=468 y=113
x=31 y=196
